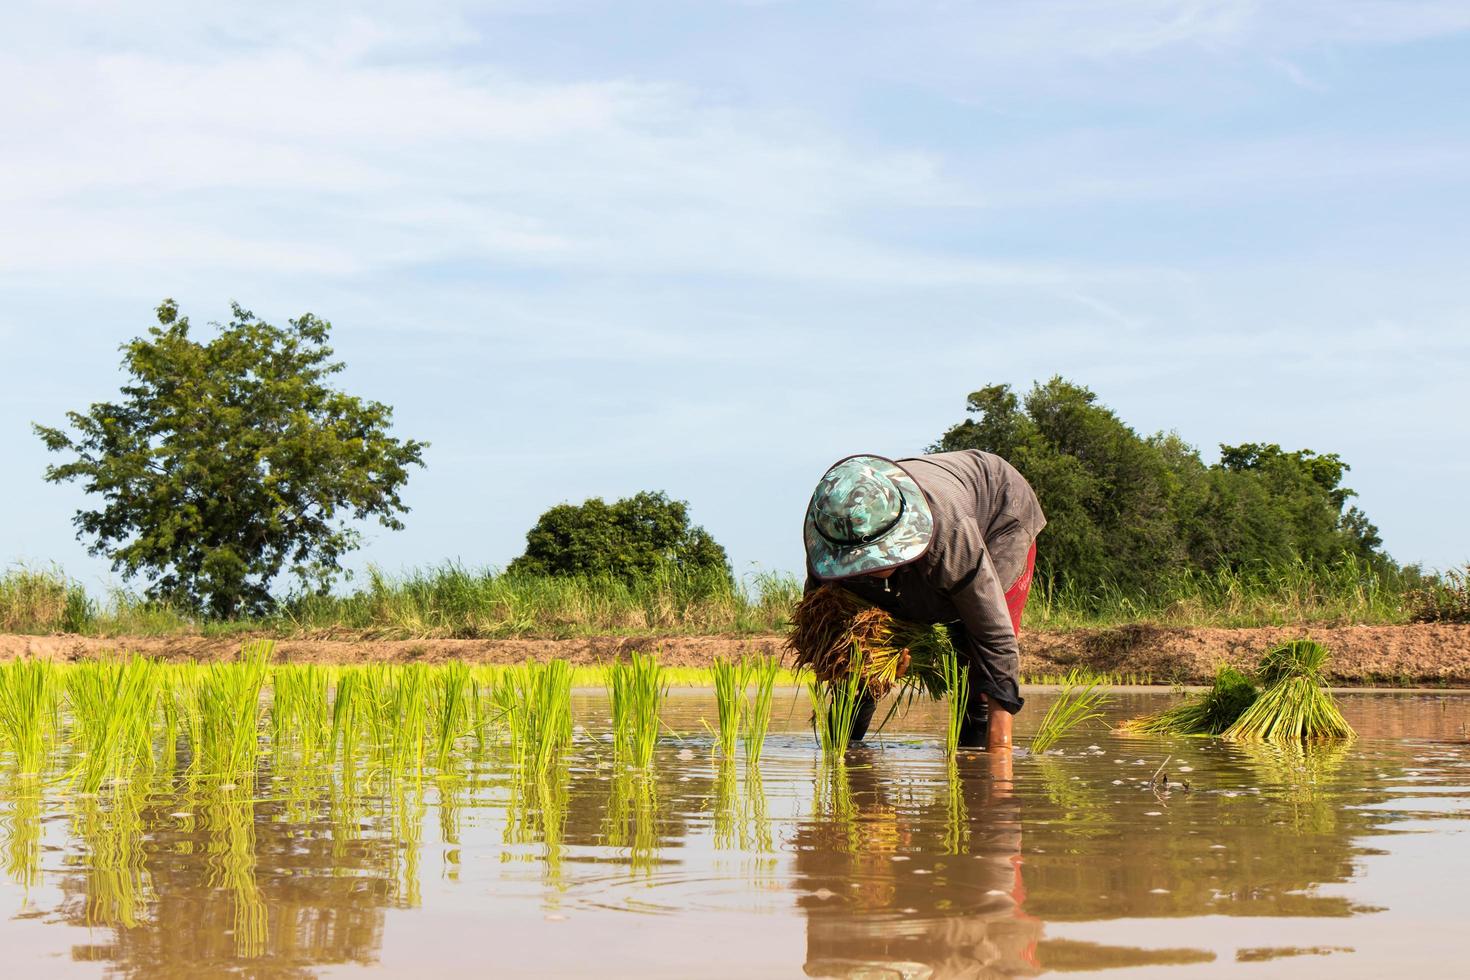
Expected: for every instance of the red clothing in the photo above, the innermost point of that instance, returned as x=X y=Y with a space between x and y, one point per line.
x=1017 y=594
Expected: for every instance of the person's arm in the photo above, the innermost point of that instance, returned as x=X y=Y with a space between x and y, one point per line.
x=981 y=602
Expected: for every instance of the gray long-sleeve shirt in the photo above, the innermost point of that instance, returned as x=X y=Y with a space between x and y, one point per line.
x=986 y=517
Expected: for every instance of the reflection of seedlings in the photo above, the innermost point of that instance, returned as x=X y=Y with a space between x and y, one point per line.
x=111 y=829
x=727 y=817
x=957 y=814
x=632 y=819
x=537 y=812
x=22 y=841
x=407 y=823
x=230 y=816
x=1304 y=772
x=1076 y=703
x=1085 y=810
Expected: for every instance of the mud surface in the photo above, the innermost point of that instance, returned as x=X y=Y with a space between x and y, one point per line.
x=1419 y=654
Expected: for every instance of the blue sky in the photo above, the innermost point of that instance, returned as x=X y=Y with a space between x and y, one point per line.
x=709 y=247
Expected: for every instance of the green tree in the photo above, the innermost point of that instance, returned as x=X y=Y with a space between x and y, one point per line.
x=629 y=538
x=1128 y=511
x=226 y=463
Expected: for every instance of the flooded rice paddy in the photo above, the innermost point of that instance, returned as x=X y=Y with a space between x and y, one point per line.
x=1130 y=856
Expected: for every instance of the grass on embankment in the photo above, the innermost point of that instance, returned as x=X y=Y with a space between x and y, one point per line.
x=450 y=601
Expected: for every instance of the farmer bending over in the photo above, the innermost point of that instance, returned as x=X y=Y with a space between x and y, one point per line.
x=948 y=538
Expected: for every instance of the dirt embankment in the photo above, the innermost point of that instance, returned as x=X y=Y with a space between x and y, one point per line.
x=1420 y=654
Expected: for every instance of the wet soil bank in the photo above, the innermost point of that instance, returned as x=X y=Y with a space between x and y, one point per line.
x=1413 y=654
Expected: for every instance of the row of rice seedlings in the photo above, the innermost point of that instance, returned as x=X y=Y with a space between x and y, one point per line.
x=452 y=711
x=30 y=698
x=1076 y=703
x=957 y=682
x=1210 y=713
x=1107 y=678
x=834 y=705
x=1295 y=704
x=636 y=690
x=534 y=700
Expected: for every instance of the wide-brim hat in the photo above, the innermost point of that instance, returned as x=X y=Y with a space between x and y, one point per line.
x=867 y=514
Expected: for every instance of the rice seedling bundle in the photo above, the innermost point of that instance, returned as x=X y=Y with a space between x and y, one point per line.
x=764 y=671
x=834 y=705
x=30 y=695
x=1295 y=704
x=228 y=700
x=453 y=714
x=535 y=701
x=1210 y=713
x=731 y=677
x=834 y=633
x=112 y=708
x=1076 y=703
x=957 y=680
x=636 y=690
x=300 y=708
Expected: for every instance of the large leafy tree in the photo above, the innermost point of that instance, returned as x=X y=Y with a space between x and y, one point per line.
x=629 y=538
x=227 y=462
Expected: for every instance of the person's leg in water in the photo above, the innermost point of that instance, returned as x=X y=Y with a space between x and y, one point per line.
x=862 y=717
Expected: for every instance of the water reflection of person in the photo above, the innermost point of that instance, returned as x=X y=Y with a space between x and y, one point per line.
x=883 y=898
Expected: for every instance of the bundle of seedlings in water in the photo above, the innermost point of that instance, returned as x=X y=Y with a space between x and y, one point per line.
x=957 y=679
x=731 y=677
x=535 y=702
x=834 y=705
x=757 y=716
x=636 y=690
x=1210 y=713
x=1295 y=704
x=834 y=633
x=1076 y=703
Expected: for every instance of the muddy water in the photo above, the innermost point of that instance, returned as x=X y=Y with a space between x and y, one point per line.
x=1341 y=861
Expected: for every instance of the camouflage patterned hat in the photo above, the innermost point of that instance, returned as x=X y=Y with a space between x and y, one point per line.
x=866 y=514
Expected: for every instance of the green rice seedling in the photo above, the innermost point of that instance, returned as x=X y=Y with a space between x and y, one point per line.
x=1295 y=705
x=1210 y=713
x=408 y=718
x=30 y=695
x=731 y=677
x=764 y=671
x=347 y=706
x=1076 y=703
x=957 y=682
x=452 y=709
x=112 y=708
x=535 y=700
x=636 y=690
x=834 y=704
x=230 y=709
x=300 y=709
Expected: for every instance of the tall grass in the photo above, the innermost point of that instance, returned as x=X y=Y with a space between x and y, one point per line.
x=452 y=601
